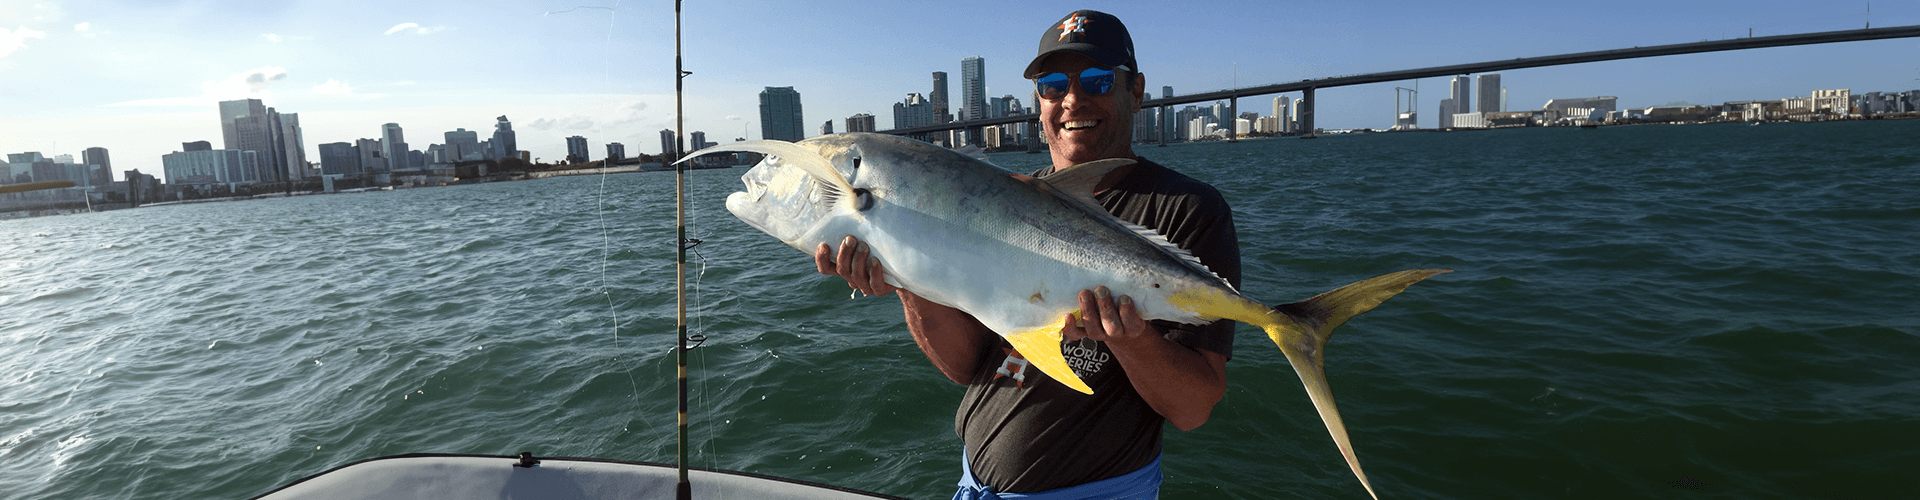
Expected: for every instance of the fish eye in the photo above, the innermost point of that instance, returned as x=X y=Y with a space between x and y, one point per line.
x=862 y=199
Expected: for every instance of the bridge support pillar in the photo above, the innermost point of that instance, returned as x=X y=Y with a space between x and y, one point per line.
x=1233 y=119
x=1306 y=112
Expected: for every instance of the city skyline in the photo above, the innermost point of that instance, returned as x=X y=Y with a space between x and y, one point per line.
x=139 y=80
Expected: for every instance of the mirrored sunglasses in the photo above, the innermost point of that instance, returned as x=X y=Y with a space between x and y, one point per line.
x=1094 y=81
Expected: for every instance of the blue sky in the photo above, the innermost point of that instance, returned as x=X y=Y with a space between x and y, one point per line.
x=139 y=78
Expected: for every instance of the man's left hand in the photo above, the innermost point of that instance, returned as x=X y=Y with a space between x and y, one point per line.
x=1107 y=319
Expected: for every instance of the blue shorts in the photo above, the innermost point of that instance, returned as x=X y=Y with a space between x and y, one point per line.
x=1142 y=484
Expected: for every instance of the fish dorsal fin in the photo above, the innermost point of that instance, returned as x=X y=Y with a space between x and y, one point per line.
x=830 y=185
x=1079 y=180
x=973 y=151
x=1076 y=183
x=1170 y=248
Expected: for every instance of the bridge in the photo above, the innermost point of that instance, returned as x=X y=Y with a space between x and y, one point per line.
x=1307 y=87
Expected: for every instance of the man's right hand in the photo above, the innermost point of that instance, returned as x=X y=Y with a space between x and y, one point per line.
x=854 y=263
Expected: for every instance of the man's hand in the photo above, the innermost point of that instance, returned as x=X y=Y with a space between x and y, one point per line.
x=1179 y=382
x=1105 y=319
x=854 y=263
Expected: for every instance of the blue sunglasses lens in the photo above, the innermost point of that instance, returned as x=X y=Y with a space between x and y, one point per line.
x=1095 y=81
x=1052 y=85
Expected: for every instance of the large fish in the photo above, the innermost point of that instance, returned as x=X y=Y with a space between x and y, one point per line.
x=1014 y=251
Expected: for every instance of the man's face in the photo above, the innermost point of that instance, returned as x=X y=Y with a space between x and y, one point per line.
x=1081 y=127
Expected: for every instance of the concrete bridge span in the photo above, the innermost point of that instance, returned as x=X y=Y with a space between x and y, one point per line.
x=1308 y=86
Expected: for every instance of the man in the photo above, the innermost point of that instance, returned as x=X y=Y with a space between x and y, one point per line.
x=1024 y=432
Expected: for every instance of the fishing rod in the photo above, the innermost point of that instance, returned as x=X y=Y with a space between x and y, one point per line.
x=682 y=490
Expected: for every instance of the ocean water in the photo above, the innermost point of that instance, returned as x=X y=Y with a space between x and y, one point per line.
x=1710 y=311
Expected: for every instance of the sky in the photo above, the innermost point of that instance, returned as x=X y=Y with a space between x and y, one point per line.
x=140 y=78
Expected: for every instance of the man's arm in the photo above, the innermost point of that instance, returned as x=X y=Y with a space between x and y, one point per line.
x=952 y=339
x=1180 y=383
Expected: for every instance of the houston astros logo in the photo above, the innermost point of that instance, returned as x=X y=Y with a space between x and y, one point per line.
x=1074 y=24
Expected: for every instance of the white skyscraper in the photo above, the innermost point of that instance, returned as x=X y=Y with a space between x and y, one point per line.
x=1282 y=108
x=973 y=87
x=1462 y=98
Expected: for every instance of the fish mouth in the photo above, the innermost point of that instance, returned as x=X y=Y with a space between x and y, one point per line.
x=1080 y=124
x=755 y=188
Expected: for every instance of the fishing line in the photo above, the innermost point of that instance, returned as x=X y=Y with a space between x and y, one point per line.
x=606 y=240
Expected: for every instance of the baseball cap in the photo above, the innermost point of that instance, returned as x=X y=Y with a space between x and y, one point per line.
x=1095 y=34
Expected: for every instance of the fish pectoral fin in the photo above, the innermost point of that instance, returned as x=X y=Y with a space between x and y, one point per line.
x=1041 y=347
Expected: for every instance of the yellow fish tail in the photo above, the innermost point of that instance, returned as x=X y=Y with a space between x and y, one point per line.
x=1301 y=330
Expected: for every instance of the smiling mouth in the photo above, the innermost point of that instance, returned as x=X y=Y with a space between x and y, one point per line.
x=1082 y=124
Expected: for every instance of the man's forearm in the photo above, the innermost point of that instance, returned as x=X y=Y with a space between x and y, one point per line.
x=952 y=339
x=1179 y=382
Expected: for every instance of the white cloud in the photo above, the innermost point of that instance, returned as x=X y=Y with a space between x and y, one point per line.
x=333 y=87
x=271 y=37
x=569 y=122
x=82 y=27
x=402 y=27
x=17 y=39
x=255 y=83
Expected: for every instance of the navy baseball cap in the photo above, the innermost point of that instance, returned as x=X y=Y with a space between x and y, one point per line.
x=1095 y=34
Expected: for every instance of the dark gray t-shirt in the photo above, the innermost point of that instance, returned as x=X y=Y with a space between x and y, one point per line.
x=1026 y=433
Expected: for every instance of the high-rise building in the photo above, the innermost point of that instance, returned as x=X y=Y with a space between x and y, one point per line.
x=616 y=151
x=780 y=115
x=667 y=143
x=973 y=88
x=699 y=140
x=463 y=145
x=941 y=113
x=1447 y=110
x=339 y=158
x=826 y=128
x=576 y=149
x=261 y=135
x=294 y=144
x=915 y=111
x=1489 y=93
x=97 y=157
x=232 y=110
x=1462 y=97
x=371 y=163
x=860 y=123
x=504 y=144
x=1168 y=121
x=196 y=146
x=248 y=125
x=393 y=146
x=1282 y=112
x=1143 y=121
